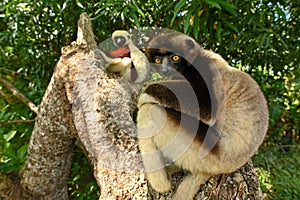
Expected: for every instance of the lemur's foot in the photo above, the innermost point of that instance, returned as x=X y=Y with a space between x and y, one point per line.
x=159 y=181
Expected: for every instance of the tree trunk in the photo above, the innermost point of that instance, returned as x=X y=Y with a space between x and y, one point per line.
x=82 y=101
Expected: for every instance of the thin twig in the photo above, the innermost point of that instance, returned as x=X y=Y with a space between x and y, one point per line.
x=19 y=95
x=10 y=71
x=288 y=146
x=17 y=121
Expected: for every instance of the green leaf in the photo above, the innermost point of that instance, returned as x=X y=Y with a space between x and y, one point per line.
x=187 y=22
x=22 y=151
x=138 y=9
x=11 y=165
x=9 y=152
x=10 y=135
x=280 y=12
x=196 y=25
x=297 y=83
x=213 y=3
x=282 y=41
x=262 y=39
x=79 y=4
x=135 y=19
x=177 y=9
x=227 y=6
x=268 y=41
x=231 y=26
x=204 y=29
x=124 y=13
x=275 y=112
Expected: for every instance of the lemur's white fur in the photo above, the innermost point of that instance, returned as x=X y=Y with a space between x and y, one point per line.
x=241 y=122
x=139 y=60
x=124 y=66
x=116 y=65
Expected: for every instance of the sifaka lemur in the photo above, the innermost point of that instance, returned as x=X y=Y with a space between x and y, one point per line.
x=132 y=65
x=210 y=121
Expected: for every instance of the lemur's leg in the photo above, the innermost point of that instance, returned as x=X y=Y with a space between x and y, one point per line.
x=153 y=160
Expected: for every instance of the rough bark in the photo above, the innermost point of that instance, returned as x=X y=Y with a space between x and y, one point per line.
x=85 y=102
x=50 y=149
x=101 y=110
x=241 y=184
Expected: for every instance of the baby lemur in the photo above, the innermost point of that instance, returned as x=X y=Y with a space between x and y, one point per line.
x=210 y=121
x=134 y=67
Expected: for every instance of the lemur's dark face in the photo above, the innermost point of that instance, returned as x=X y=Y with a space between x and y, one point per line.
x=169 y=53
x=121 y=38
x=167 y=63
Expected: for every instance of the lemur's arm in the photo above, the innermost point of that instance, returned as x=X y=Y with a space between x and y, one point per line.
x=115 y=65
x=108 y=60
x=154 y=162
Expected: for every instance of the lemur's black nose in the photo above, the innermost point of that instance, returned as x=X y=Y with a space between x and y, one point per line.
x=120 y=40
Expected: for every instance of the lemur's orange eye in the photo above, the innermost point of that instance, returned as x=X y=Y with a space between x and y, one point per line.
x=175 y=58
x=157 y=60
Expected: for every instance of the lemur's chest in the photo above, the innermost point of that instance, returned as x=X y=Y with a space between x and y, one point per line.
x=179 y=134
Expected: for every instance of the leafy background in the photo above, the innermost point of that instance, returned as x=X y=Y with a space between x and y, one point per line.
x=259 y=37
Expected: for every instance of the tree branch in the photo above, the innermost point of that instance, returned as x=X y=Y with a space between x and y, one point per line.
x=17 y=121
x=19 y=95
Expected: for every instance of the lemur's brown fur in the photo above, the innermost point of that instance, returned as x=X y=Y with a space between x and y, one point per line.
x=214 y=131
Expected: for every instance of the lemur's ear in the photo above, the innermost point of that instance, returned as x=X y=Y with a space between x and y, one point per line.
x=190 y=43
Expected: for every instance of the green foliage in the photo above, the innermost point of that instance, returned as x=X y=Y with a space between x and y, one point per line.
x=259 y=37
x=278 y=170
x=14 y=136
x=81 y=184
x=12 y=156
